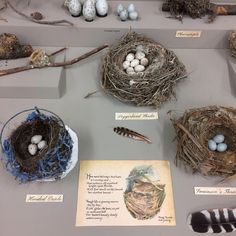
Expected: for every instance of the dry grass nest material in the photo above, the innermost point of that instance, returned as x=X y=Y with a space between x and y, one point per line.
x=232 y=42
x=149 y=88
x=195 y=128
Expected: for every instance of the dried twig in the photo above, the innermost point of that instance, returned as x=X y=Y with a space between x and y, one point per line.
x=91 y=93
x=56 y=22
x=52 y=64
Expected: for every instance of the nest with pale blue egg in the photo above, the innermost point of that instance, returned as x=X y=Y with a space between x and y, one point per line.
x=195 y=128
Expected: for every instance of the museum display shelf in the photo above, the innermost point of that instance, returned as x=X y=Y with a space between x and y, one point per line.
x=211 y=81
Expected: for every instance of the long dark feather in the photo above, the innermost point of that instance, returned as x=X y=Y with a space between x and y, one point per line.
x=213 y=221
x=131 y=134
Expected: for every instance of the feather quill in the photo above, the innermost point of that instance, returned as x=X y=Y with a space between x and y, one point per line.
x=213 y=221
x=131 y=134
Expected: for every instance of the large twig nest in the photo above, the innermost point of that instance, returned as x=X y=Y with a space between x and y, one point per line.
x=195 y=128
x=232 y=42
x=47 y=163
x=151 y=87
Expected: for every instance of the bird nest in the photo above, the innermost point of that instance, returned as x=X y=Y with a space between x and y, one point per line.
x=195 y=128
x=49 y=162
x=151 y=87
x=232 y=42
x=193 y=8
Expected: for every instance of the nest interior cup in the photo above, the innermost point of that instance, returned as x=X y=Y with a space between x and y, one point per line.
x=49 y=163
x=151 y=87
x=195 y=128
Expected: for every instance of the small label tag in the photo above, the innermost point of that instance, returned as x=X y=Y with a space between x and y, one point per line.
x=137 y=116
x=214 y=191
x=188 y=34
x=44 y=198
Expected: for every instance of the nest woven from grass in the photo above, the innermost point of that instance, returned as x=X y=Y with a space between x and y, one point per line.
x=232 y=42
x=195 y=128
x=49 y=162
x=149 y=88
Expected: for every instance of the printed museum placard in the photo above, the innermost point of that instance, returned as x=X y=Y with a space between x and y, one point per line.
x=136 y=116
x=227 y=191
x=125 y=193
x=44 y=198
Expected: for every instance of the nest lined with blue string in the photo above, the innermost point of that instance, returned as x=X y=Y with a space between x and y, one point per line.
x=152 y=87
x=48 y=163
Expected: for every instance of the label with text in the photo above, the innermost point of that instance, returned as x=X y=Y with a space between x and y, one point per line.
x=215 y=191
x=44 y=198
x=137 y=116
x=188 y=34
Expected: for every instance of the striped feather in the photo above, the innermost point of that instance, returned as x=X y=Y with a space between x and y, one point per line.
x=213 y=221
x=131 y=134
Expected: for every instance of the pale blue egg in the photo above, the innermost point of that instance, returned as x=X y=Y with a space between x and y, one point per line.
x=119 y=9
x=212 y=145
x=221 y=147
x=124 y=15
x=131 y=8
x=219 y=138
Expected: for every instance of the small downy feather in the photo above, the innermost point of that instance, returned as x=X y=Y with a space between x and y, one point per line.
x=213 y=221
x=131 y=134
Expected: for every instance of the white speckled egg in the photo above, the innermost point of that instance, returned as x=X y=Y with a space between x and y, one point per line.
x=139 y=55
x=130 y=70
x=36 y=139
x=89 y=11
x=134 y=63
x=42 y=144
x=139 y=68
x=74 y=7
x=131 y=7
x=119 y=9
x=102 y=8
x=126 y=64
x=221 y=147
x=139 y=48
x=219 y=138
x=32 y=149
x=124 y=15
x=212 y=145
x=130 y=57
x=133 y=15
x=144 y=61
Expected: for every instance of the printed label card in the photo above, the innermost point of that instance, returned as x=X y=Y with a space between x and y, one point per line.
x=127 y=193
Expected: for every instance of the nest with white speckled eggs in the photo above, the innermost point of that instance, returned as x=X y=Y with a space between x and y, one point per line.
x=197 y=130
x=150 y=81
x=39 y=149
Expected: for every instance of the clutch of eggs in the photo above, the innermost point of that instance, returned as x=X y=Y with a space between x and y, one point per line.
x=135 y=63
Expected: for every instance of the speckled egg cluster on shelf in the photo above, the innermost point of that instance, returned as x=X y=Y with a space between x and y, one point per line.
x=37 y=144
x=124 y=14
x=135 y=62
x=89 y=8
x=217 y=143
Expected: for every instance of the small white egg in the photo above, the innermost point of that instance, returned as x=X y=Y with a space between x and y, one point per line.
x=42 y=144
x=131 y=7
x=139 y=48
x=119 y=9
x=144 y=61
x=32 y=149
x=36 y=139
x=139 y=55
x=133 y=15
x=130 y=57
x=139 y=68
x=131 y=73
x=130 y=70
x=124 y=15
x=134 y=63
x=212 y=145
x=126 y=64
x=219 y=138
x=221 y=147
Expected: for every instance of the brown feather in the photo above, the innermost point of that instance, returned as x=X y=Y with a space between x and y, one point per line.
x=131 y=134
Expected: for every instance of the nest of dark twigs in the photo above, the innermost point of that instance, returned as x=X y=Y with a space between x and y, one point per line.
x=195 y=128
x=49 y=162
x=151 y=87
x=232 y=42
x=193 y=8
